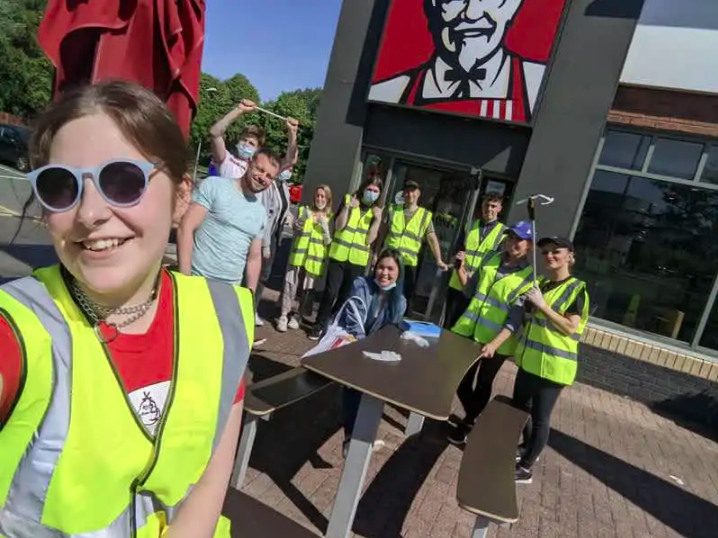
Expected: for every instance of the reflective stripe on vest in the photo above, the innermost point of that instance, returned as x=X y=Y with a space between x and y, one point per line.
x=308 y=248
x=489 y=308
x=405 y=237
x=543 y=349
x=350 y=243
x=87 y=473
x=477 y=250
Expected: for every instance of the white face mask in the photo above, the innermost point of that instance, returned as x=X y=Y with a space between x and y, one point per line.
x=245 y=151
x=321 y=205
x=285 y=175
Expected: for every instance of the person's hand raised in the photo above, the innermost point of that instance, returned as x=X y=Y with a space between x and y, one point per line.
x=246 y=105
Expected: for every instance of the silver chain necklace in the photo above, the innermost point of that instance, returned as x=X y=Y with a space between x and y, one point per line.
x=97 y=314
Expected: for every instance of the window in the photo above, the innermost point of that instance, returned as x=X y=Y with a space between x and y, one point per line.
x=646 y=244
x=675 y=158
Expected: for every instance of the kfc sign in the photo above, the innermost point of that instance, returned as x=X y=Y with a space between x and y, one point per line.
x=482 y=58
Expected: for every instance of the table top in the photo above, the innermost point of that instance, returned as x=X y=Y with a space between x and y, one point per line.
x=424 y=381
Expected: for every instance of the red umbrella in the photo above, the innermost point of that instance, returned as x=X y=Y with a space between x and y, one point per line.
x=156 y=43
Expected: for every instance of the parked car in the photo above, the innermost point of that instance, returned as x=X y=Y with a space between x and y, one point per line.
x=295 y=193
x=14 y=146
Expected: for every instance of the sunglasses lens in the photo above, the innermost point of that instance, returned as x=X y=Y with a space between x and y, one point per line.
x=57 y=188
x=122 y=183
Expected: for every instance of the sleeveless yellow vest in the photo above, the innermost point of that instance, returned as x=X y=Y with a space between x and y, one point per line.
x=408 y=237
x=543 y=350
x=308 y=248
x=476 y=249
x=489 y=308
x=350 y=243
x=75 y=457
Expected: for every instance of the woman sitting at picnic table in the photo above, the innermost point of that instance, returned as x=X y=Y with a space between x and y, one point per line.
x=547 y=353
x=379 y=302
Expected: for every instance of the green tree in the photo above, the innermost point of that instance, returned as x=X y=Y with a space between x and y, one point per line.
x=299 y=104
x=25 y=72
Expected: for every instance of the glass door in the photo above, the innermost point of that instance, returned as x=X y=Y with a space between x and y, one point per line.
x=450 y=196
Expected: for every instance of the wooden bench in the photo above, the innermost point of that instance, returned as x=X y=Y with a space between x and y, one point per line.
x=253 y=519
x=486 y=478
x=262 y=400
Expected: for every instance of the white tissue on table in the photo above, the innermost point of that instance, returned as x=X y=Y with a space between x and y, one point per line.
x=386 y=356
x=421 y=342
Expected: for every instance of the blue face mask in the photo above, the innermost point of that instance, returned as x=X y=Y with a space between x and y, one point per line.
x=245 y=151
x=385 y=288
x=370 y=197
x=286 y=175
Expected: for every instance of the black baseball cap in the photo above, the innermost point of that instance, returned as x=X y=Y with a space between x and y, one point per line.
x=410 y=185
x=561 y=242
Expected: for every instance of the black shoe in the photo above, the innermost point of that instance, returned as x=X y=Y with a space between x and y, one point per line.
x=315 y=333
x=520 y=451
x=458 y=435
x=523 y=476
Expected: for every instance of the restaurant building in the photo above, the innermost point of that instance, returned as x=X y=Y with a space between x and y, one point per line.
x=610 y=107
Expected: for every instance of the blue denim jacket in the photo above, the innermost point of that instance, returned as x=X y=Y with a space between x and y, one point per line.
x=367 y=318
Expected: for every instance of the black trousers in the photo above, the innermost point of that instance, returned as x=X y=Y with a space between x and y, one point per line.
x=409 y=284
x=340 y=276
x=474 y=399
x=456 y=304
x=538 y=396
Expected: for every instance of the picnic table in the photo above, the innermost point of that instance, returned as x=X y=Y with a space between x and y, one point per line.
x=423 y=382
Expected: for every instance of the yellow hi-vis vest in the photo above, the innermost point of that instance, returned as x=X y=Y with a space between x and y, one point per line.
x=406 y=237
x=545 y=351
x=76 y=460
x=476 y=249
x=350 y=243
x=489 y=307
x=308 y=248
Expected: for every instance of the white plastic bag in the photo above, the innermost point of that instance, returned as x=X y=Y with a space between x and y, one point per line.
x=412 y=336
x=336 y=337
x=384 y=356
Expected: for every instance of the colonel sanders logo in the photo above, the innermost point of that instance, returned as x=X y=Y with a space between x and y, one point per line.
x=471 y=71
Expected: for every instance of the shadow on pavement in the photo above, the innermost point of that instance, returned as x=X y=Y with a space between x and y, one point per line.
x=291 y=438
x=702 y=417
x=386 y=502
x=689 y=515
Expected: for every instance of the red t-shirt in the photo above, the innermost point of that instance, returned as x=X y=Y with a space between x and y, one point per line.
x=143 y=362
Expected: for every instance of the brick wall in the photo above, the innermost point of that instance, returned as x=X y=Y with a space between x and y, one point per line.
x=673 y=393
x=9 y=118
x=667 y=110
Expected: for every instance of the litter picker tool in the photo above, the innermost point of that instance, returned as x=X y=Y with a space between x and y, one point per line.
x=271 y=113
x=531 y=201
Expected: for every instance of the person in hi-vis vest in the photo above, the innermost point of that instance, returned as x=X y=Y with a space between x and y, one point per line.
x=407 y=227
x=493 y=318
x=356 y=227
x=547 y=352
x=123 y=381
x=483 y=236
x=307 y=257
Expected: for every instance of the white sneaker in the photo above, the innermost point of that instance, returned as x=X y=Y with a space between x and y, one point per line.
x=258 y=322
x=282 y=324
x=293 y=323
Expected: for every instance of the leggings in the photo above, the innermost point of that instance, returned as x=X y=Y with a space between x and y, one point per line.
x=537 y=396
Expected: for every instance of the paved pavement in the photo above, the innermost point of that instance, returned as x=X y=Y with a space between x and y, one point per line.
x=613 y=469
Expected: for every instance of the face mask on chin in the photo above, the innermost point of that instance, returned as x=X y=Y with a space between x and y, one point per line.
x=320 y=205
x=388 y=287
x=245 y=152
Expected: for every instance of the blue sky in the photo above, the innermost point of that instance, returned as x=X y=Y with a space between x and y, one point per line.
x=277 y=44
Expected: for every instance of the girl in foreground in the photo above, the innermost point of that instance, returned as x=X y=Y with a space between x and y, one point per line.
x=308 y=257
x=547 y=353
x=123 y=382
x=379 y=302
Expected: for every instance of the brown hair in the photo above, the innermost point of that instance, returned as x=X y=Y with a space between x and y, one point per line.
x=371 y=180
x=269 y=154
x=139 y=114
x=327 y=193
x=493 y=197
x=256 y=131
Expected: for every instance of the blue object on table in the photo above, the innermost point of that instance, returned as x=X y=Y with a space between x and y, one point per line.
x=422 y=328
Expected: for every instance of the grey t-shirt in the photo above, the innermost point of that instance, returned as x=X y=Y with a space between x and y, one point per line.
x=233 y=221
x=410 y=212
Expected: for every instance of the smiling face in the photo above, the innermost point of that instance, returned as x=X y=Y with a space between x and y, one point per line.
x=467 y=33
x=516 y=247
x=110 y=250
x=411 y=196
x=261 y=172
x=386 y=272
x=490 y=210
x=556 y=257
x=320 y=199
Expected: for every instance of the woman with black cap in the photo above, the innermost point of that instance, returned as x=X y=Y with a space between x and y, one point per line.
x=547 y=353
